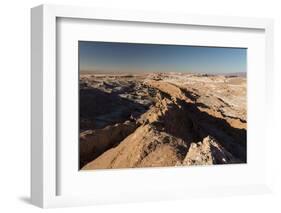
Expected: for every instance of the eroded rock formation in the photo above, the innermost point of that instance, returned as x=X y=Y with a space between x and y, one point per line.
x=161 y=120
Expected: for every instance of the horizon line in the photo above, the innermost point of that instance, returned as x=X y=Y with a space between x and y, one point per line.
x=155 y=71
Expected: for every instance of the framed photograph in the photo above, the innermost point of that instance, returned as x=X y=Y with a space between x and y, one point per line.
x=129 y=106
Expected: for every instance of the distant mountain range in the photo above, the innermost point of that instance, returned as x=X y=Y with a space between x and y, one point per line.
x=241 y=74
x=237 y=74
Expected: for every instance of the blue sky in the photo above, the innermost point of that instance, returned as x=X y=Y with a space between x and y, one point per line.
x=109 y=56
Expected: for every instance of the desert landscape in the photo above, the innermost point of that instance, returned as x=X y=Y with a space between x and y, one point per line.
x=161 y=119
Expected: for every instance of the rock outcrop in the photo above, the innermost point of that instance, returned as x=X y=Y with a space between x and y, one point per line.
x=94 y=142
x=207 y=152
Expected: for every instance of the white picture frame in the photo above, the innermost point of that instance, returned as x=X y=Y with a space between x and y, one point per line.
x=44 y=154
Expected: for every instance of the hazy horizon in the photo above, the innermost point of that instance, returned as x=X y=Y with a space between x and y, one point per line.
x=137 y=58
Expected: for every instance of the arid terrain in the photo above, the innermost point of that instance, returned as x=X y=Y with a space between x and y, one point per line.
x=161 y=119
